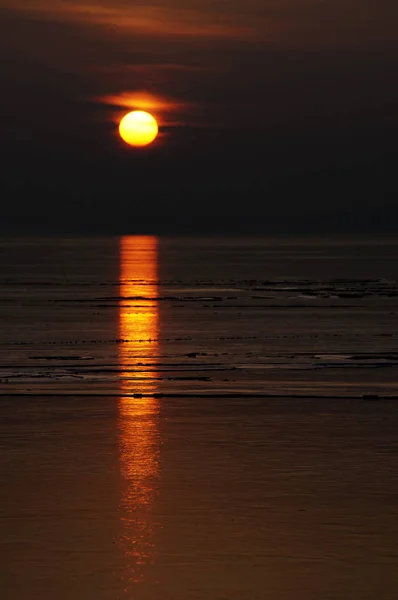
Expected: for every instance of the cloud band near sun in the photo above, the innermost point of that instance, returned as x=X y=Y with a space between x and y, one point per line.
x=166 y=110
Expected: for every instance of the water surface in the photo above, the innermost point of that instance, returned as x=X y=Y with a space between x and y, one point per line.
x=185 y=419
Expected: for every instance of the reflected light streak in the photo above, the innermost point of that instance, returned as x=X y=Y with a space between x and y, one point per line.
x=139 y=435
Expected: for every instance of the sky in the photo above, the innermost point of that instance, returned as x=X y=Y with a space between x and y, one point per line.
x=275 y=115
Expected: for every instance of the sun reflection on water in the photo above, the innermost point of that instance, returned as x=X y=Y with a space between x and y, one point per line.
x=139 y=435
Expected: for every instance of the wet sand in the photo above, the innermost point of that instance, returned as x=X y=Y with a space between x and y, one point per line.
x=180 y=498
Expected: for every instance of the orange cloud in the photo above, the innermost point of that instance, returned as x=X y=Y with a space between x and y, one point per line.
x=167 y=111
x=287 y=23
x=141 y=101
x=143 y=19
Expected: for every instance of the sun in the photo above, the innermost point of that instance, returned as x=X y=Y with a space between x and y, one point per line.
x=138 y=128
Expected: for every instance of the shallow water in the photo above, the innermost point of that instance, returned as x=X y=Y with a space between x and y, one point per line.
x=198 y=316
x=143 y=456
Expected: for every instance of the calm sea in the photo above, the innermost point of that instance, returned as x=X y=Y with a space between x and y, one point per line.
x=199 y=418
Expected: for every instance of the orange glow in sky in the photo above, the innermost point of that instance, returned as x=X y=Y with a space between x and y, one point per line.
x=166 y=111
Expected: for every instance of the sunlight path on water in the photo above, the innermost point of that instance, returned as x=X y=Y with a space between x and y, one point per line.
x=139 y=434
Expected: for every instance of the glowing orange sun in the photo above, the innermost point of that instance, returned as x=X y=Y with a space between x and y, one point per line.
x=138 y=128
